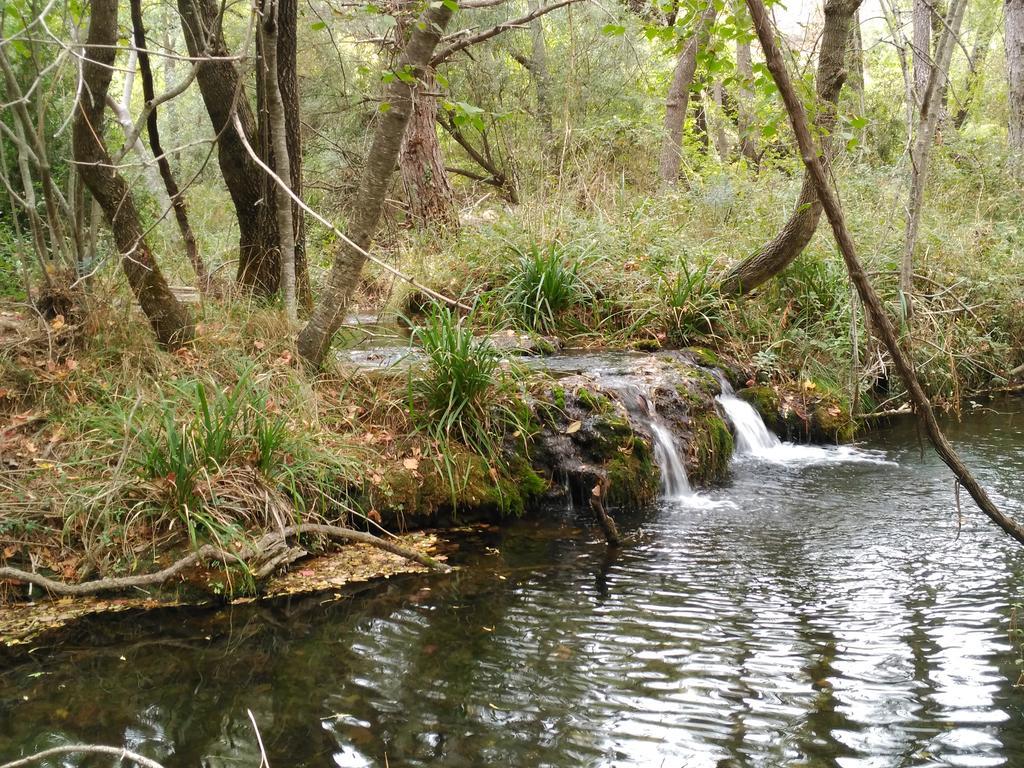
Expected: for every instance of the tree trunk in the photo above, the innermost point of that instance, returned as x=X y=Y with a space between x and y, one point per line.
x=975 y=69
x=778 y=253
x=428 y=189
x=539 y=71
x=855 y=63
x=170 y=320
x=153 y=130
x=315 y=339
x=922 y=46
x=722 y=145
x=279 y=140
x=880 y=323
x=223 y=94
x=288 y=82
x=931 y=110
x=679 y=96
x=745 y=121
x=1014 y=15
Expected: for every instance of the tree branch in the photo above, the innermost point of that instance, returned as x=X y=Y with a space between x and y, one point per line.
x=264 y=546
x=880 y=324
x=466 y=42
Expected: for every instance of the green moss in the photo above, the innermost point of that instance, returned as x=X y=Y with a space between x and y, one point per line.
x=705 y=356
x=612 y=435
x=594 y=402
x=646 y=345
x=558 y=397
x=632 y=477
x=765 y=401
x=831 y=421
x=712 y=448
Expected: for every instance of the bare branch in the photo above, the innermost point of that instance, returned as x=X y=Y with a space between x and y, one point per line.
x=466 y=42
x=93 y=749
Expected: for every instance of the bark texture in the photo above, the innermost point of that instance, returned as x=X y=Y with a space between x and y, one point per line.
x=170 y=320
x=922 y=46
x=779 y=252
x=428 y=190
x=166 y=174
x=315 y=339
x=678 y=99
x=1013 y=13
x=880 y=323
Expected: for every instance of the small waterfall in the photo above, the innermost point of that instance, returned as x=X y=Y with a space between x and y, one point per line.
x=674 y=483
x=752 y=436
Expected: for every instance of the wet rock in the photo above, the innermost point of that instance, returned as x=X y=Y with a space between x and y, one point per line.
x=802 y=412
x=597 y=427
x=523 y=343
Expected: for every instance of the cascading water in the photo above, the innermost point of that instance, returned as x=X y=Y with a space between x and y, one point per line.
x=751 y=435
x=674 y=483
x=754 y=439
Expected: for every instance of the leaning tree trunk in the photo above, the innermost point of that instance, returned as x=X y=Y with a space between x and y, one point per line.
x=880 y=322
x=679 y=96
x=1014 y=16
x=223 y=95
x=778 y=253
x=931 y=111
x=315 y=338
x=428 y=189
x=170 y=320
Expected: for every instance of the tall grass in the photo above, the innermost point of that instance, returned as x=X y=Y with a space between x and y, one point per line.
x=455 y=390
x=543 y=283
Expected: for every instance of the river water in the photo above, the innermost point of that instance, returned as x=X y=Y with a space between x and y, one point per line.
x=811 y=613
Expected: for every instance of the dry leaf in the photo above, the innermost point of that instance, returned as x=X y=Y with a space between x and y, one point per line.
x=413 y=464
x=573 y=428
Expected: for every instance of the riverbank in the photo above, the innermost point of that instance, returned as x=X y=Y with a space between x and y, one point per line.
x=119 y=460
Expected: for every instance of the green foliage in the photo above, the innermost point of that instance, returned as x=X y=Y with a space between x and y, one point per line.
x=693 y=302
x=544 y=283
x=454 y=390
x=219 y=427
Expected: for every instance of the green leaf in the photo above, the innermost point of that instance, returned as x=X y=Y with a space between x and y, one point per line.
x=316 y=26
x=613 y=30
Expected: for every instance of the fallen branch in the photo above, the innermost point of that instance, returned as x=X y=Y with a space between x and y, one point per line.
x=881 y=324
x=266 y=548
x=89 y=749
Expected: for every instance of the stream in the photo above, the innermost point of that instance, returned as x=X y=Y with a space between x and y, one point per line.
x=827 y=607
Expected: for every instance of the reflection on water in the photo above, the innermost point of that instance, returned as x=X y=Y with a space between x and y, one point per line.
x=834 y=614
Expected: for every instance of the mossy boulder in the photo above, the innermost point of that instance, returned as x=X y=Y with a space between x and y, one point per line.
x=803 y=412
x=459 y=487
